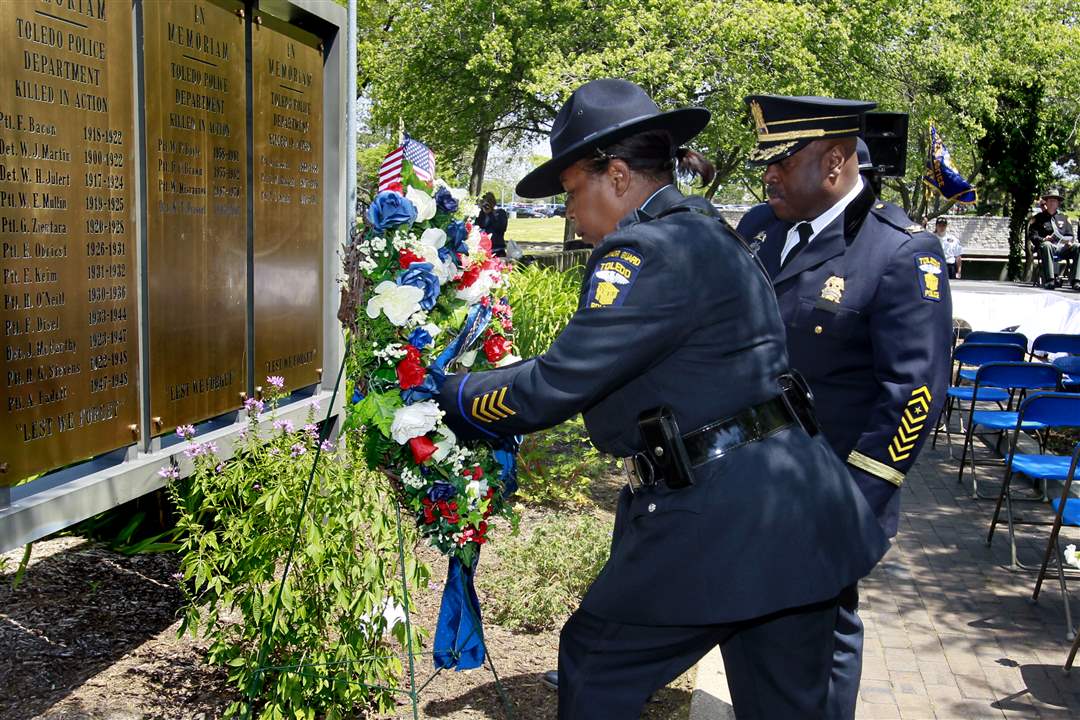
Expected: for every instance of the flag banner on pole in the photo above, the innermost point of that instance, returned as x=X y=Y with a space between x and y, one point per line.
x=943 y=176
x=410 y=155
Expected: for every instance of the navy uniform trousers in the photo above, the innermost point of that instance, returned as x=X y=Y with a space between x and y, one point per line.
x=869 y=324
x=675 y=312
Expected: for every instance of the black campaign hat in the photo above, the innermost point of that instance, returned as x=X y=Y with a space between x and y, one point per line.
x=597 y=114
x=786 y=124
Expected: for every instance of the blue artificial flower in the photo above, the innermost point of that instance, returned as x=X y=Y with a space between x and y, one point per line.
x=456 y=236
x=445 y=202
x=426 y=390
x=357 y=396
x=420 y=338
x=441 y=491
x=420 y=275
x=390 y=209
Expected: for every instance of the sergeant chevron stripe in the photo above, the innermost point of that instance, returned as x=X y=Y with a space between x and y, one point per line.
x=491 y=406
x=911 y=424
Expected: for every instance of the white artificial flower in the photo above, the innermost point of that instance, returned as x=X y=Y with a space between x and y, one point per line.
x=445 y=445
x=411 y=479
x=398 y=302
x=433 y=330
x=477 y=488
x=473 y=241
x=442 y=270
x=434 y=237
x=1071 y=556
x=425 y=204
x=377 y=244
x=415 y=420
x=467 y=359
x=471 y=211
x=481 y=287
x=508 y=359
x=459 y=194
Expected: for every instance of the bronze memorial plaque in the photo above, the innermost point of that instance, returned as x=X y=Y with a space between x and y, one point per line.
x=67 y=233
x=287 y=68
x=196 y=151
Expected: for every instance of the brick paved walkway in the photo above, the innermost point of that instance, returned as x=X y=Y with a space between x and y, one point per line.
x=951 y=633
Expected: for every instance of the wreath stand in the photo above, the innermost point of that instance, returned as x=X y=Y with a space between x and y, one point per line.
x=412 y=652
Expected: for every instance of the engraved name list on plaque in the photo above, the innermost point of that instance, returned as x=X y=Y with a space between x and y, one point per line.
x=287 y=186
x=67 y=266
x=196 y=152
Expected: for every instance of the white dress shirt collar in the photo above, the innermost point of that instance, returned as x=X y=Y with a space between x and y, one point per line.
x=822 y=221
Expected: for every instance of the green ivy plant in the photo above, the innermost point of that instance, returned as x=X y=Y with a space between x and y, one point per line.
x=333 y=646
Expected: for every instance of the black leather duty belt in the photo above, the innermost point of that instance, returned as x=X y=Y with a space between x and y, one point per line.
x=719 y=438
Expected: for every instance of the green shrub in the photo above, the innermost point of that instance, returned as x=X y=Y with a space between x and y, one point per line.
x=559 y=465
x=543 y=300
x=331 y=651
x=541 y=579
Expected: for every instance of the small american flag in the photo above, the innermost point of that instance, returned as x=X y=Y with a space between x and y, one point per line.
x=416 y=153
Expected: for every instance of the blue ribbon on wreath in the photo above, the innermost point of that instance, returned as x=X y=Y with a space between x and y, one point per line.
x=459 y=635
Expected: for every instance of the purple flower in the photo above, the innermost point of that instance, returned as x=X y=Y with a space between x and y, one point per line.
x=327 y=446
x=186 y=431
x=312 y=430
x=316 y=405
x=285 y=426
x=275 y=451
x=256 y=486
x=297 y=450
x=276 y=381
x=220 y=468
x=177 y=576
x=169 y=472
x=253 y=406
x=445 y=201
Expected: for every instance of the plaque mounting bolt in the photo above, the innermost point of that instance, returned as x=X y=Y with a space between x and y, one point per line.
x=134 y=431
x=3 y=468
x=240 y=13
x=156 y=421
x=319 y=373
x=258 y=391
x=258 y=19
x=243 y=395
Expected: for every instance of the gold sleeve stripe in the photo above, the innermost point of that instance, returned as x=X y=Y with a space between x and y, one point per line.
x=491 y=406
x=911 y=424
x=876 y=468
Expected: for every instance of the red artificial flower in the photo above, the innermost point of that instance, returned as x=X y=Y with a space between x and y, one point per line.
x=485 y=301
x=410 y=373
x=485 y=242
x=470 y=276
x=496 y=348
x=407 y=258
x=396 y=187
x=422 y=449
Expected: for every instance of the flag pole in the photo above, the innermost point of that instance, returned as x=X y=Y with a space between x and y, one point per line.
x=350 y=122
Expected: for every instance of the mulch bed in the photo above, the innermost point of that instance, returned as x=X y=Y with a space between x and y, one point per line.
x=91 y=634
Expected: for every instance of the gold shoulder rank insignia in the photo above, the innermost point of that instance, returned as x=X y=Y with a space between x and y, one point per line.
x=833 y=289
x=491 y=406
x=911 y=424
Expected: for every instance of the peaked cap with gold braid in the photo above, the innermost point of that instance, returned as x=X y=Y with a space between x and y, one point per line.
x=786 y=124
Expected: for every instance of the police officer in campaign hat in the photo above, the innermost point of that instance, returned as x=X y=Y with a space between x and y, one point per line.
x=865 y=300
x=738 y=524
x=1051 y=234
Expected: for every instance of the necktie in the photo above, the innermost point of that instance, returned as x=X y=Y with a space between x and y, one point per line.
x=805 y=231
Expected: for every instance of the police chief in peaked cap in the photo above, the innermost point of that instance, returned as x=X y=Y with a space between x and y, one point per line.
x=738 y=525
x=864 y=297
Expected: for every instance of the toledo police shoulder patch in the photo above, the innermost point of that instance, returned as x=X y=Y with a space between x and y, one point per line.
x=929 y=271
x=612 y=278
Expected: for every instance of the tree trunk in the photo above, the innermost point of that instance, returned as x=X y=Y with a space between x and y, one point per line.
x=1019 y=255
x=479 y=163
x=569 y=234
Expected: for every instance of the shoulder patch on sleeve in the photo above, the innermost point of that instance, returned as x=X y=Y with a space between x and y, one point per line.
x=612 y=278
x=928 y=268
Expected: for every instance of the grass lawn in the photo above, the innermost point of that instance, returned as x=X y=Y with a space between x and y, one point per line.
x=535 y=230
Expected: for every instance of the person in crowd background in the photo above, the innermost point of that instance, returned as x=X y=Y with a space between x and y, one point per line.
x=1051 y=236
x=950 y=246
x=493 y=220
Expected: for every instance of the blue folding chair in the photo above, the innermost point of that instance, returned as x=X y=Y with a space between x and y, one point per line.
x=1010 y=377
x=975 y=355
x=1051 y=410
x=1066 y=512
x=985 y=337
x=1056 y=343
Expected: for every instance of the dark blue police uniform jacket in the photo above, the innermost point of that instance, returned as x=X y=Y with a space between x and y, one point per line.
x=675 y=311
x=869 y=324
